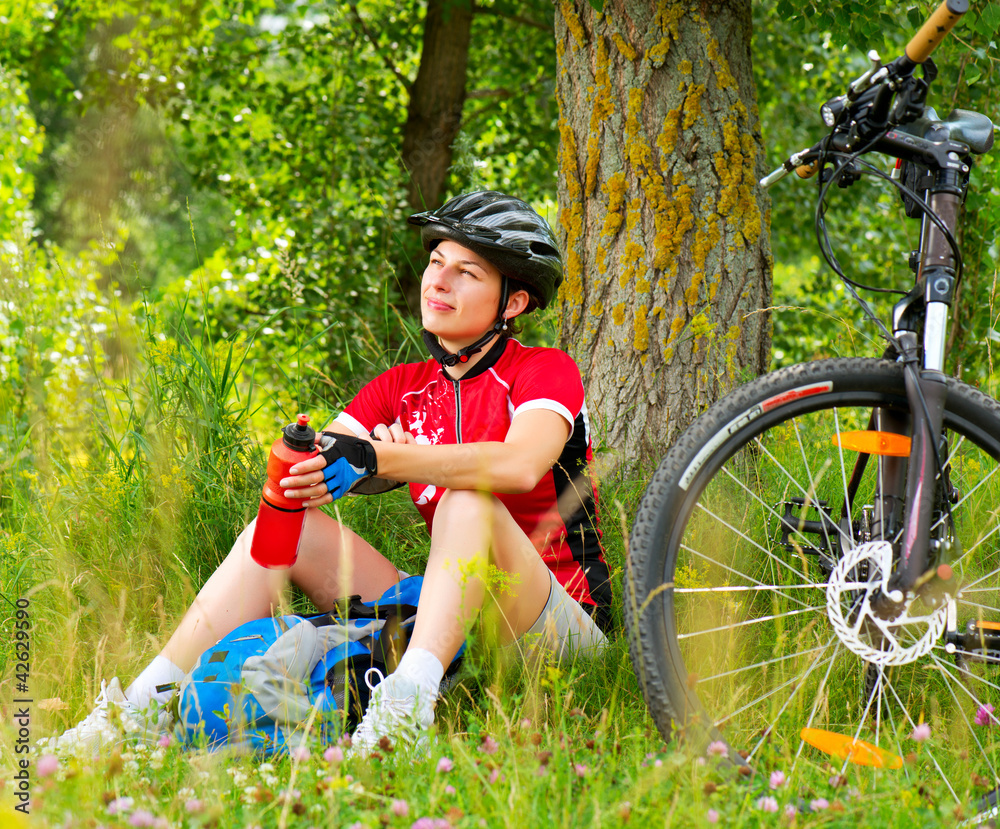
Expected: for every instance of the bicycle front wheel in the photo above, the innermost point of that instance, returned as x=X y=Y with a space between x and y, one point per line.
x=754 y=560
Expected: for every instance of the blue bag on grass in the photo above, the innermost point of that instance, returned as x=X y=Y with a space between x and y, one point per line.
x=259 y=688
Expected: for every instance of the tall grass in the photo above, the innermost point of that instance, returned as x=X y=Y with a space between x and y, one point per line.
x=110 y=539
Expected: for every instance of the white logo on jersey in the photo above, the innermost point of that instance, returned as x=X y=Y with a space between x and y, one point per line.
x=426 y=496
x=417 y=420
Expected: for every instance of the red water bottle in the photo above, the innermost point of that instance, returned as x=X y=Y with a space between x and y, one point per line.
x=279 y=521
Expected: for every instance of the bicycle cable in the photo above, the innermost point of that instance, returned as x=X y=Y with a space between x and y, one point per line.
x=849 y=162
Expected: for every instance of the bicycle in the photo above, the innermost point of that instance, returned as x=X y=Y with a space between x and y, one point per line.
x=814 y=570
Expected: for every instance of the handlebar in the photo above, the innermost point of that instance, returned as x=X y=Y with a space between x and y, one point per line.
x=874 y=90
x=936 y=29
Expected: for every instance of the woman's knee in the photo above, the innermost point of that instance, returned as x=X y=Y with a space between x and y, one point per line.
x=466 y=505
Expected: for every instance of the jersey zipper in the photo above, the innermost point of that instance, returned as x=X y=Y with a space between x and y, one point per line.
x=458 y=412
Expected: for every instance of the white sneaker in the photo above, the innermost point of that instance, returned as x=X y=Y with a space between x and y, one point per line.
x=398 y=709
x=113 y=721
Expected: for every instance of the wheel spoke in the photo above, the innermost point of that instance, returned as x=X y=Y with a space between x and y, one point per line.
x=944 y=668
x=770 y=693
x=755 y=621
x=746 y=576
x=930 y=753
x=756 y=666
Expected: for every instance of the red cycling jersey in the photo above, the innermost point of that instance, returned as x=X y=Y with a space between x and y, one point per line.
x=560 y=514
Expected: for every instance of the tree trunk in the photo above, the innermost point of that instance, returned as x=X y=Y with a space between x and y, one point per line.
x=664 y=230
x=434 y=114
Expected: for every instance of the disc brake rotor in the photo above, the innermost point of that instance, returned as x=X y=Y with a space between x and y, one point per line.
x=897 y=641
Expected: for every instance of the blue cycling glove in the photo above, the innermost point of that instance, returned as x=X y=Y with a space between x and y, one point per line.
x=348 y=460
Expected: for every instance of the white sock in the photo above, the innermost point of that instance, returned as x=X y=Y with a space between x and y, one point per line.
x=423 y=667
x=161 y=671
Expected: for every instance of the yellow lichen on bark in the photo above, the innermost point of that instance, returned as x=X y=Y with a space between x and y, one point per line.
x=666 y=141
x=616 y=188
x=641 y=330
x=692 y=105
x=618 y=314
x=571 y=221
x=624 y=47
x=602 y=260
x=734 y=165
x=668 y=15
x=723 y=74
x=602 y=107
x=705 y=240
x=573 y=23
x=676 y=326
x=691 y=293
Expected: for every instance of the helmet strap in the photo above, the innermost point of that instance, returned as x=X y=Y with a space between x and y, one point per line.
x=447 y=359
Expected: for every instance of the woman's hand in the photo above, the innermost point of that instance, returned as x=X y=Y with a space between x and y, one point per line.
x=393 y=433
x=308 y=480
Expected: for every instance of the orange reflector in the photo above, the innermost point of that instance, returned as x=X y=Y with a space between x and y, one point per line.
x=874 y=443
x=847 y=748
x=988 y=625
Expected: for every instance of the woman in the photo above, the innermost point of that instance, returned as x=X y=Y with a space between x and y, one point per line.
x=492 y=438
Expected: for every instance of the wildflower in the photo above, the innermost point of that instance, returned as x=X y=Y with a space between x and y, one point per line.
x=120 y=804
x=777 y=779
x=140 y=817
x=400 y=808
x=525 y=723
x=489 y=745
x=193 y=806
x=300 y=754
x=717 y=749
x=164 y=741
x=449 y=789
x=836 y=781
x=423 y=823
x=819 y=804
x=495 y=775
x=580 y=769
x=47 y=764
x=712 y=816
x=921 y=732
x=984 y=716
x=790 y=811
x=334 y=754
x=285 y=796
x=444 y=765
x=767 y=804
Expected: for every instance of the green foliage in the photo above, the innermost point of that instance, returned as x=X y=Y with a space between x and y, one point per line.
x=807 y=55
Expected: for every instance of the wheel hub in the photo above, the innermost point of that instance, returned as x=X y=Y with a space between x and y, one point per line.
x=849 y=604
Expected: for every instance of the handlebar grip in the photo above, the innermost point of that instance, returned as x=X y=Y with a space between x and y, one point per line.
x=807 y=170
x=935 y=29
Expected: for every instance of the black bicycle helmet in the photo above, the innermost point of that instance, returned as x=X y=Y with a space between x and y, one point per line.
x=505 y=231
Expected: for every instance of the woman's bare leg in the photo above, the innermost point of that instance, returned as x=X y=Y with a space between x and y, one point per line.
x=472 y=529
x=333 y=561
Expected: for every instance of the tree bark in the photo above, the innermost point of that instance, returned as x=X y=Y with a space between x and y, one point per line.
x=664 y=229
x=434 y=113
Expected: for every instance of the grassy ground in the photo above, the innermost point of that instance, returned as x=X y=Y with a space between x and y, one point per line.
x=106 y=535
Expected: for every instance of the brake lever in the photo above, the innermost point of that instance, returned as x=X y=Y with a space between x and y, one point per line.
x=876 y=73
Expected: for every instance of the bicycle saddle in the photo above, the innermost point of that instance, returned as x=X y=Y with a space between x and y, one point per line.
x=971 y=128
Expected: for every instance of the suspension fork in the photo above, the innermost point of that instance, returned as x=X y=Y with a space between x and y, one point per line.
x=926 y=390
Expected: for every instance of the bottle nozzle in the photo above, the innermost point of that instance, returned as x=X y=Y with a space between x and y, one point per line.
x=303 y=419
